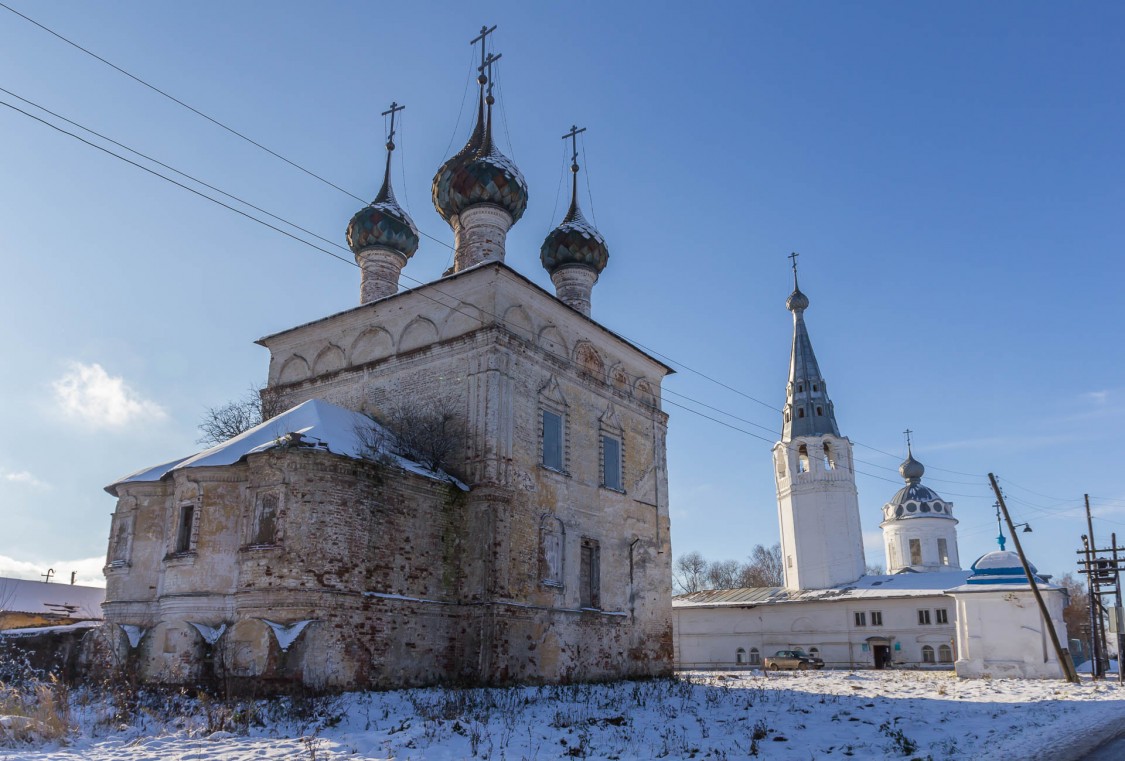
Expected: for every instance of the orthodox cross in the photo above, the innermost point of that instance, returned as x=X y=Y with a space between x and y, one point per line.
x=486 y=63
x=793 y=256
x=395 y=108
x=573 y=137
x=908 y=432
x=482 y=38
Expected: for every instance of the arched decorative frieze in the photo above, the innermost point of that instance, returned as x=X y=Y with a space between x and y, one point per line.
x=551 y=340
x=296 y=368
x=370 y=345
x=589 y=362
x=803 y=624
x=462 y=318
x=619 y=378
x=419 y=332
x=329 y=360
x=644 y=393
x=517 y=320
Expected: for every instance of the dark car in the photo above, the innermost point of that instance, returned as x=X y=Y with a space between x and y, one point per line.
x=792 y=659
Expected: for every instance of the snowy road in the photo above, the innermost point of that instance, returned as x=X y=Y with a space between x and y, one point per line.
x=715 y=715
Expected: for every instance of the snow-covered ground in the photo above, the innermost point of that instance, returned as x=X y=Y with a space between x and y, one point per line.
x=707 y=715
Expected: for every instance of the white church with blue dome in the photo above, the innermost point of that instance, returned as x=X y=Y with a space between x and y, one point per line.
x=925 y=612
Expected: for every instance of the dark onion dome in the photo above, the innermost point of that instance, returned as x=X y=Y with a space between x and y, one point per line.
x=484 y=176
x=797 y=300
x=383 y=223
x=575 y=241
x=911 y=469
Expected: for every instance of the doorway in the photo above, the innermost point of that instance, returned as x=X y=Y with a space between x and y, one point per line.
x=882 y=656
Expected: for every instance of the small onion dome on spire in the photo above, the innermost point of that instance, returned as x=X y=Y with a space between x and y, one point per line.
x=575 y=241
x=383 y=222
x=911 y=469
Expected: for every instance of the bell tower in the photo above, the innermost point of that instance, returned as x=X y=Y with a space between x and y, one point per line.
x=817 y=500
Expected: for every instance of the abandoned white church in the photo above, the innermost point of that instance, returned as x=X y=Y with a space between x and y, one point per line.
x=924 y=612
x=309 y=550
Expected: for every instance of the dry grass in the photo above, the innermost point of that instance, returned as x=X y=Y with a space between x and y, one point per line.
x=34 y=713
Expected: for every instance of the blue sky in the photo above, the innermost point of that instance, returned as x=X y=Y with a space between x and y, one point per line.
x=950 y=173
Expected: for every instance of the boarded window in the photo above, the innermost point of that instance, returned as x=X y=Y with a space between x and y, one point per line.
x=611 y=462
x=122 y=535
x=915 y=552
x=589 y=575
x=551 y=543
x=265 y=520
x=187 y=523
x=552 y=440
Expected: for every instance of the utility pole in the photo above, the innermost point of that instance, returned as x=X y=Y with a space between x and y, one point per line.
x=1117 y=610
x=1060 y=652
x=1100 y=648
x=1092 y=599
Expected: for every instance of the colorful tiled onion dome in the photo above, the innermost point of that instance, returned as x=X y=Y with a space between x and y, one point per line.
x=484 y=176
x=575 y=241
x=383 y=222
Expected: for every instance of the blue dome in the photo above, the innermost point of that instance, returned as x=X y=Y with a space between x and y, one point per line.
x=1000 y=567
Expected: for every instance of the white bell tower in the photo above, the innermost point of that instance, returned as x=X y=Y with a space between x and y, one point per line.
x=817 y=500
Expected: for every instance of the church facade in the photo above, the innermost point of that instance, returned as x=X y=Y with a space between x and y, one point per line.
x=298 y=552
x=925 y=612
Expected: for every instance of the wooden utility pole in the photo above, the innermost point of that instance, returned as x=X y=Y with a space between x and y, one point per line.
x=1101 y=649
x=1092 y=600
x=1117 y=609
x=1060 y=652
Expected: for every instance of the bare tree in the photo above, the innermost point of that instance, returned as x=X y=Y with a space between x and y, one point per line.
x=723 y=574
x=432 y=433
x=689 y=572
x=222 y=423
x=764 y=568
x=1076 y=614
x=874 y=569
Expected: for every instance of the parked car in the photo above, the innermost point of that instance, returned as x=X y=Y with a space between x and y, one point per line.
x=792 y=659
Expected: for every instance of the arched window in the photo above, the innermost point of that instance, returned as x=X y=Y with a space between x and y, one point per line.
x=819 y=410
x=802 y=459
x=740 y=656
x=814 y=652
x=928 y=653
x=800 y=413
x=814 y=387
x=945 y=654
x=800 y=388
x=755 y=657
x=829 y=459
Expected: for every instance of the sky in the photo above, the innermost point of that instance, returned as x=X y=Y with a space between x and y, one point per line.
x=950 y=174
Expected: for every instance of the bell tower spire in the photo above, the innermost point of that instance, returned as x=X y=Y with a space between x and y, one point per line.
x=817 y=500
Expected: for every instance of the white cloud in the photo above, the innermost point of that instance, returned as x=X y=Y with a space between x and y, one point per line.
x=89 y=394
x=1097 y=397
x=23 y=478
x=89 y=570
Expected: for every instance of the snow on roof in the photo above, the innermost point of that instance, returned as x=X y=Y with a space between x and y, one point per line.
x=70 y=600
x=319 y=423
x=866 y=587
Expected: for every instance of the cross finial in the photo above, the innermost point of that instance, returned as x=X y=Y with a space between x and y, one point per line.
x=793 y=257
x=394 y=109
x=486 y=63
x=573 y=137
x=908 y=432
x=482 y=38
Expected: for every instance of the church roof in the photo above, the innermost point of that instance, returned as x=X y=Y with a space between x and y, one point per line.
x=915 y=500
x=71 y=600
x=864 y=588
x=317 y=424
x=808 y=410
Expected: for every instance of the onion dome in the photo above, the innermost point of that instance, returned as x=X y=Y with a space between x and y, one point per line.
x=797 y=300
x=575 y=241
x=479 y=173
x=911 y=469
x=383 y=222
x=916 y=500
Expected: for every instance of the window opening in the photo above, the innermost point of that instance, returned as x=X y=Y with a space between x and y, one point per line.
x=611 y=462
x=589 y=581
x=942 y=615
x=829 y=459
x=552 y=440
x=943 y=551
x=551 y=557
x=802 y=459
x=265 y=520
x=915 y=552
x=876 y=618
x=183 y=536
x=927 y=654
x=923 y=618
x=755 y=657
x=945 y=654
x=740 y=656
x=819 y=410
x=801 y=413
x=860 y=618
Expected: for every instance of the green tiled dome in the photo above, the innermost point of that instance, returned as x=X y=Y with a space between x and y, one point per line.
x=575 y=241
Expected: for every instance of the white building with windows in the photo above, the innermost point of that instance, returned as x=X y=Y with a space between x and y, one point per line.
x=828 y=607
